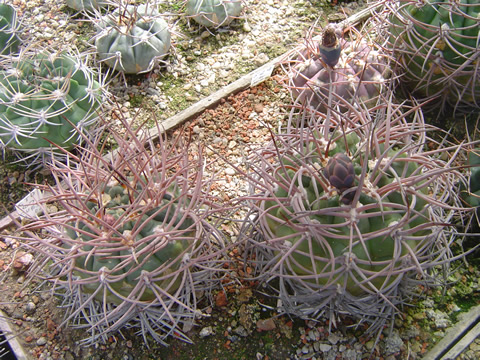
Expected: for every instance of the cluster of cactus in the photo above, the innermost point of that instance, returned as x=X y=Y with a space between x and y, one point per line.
x=213 y=13
x=131 y=246
x=326 y=71
x=132 y=39
x=436 y=44
x=46 y=100
x=9 y=28
x=347 y=216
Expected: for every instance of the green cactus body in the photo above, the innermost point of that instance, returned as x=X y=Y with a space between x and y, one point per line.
x=132 y=39
x=128 y=232
x=436 y=41
x=358 y=74
x=81 y=5
x=46 y=99
x=9 y=40
x=375 y=234
x=214 y=13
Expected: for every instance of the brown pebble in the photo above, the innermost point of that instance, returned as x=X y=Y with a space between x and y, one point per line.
x=266 y=324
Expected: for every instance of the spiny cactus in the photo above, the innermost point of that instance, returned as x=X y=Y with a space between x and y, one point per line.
x=130 y=245
x=9 y=28
x=213 y=13
x=132 y=39
x=348 y=215
x=328 y=68
x=46 y=100
x=436 y=43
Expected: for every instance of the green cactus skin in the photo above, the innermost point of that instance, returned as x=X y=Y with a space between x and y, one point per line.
x=436 y=42
x=116 y=199
x=132 y=39
x=9 y=40
x=45 y=99
x=213 y=13
x=472 y=195
x=320 y=78
x=81 y=5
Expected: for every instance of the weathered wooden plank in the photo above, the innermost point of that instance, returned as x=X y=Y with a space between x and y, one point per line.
x=453 y=336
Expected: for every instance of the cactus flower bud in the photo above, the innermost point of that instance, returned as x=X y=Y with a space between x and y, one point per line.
x=340 y=173
x=330 y=48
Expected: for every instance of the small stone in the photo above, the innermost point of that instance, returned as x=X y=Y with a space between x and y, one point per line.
x=41 y=341
x=206 y=331
x=266 y=324
x=30 y=307
x=246 y=27
x=325 y=348
x=230 y=171
x=333 y=339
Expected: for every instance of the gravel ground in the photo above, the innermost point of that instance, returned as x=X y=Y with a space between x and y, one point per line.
x=243 y=324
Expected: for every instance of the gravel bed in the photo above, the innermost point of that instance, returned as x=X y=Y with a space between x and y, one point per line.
x=243 y=324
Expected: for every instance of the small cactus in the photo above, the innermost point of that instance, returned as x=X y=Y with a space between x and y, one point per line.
x=9 y=28
x=46 y=100
x=328 y=72
x=213 y=13
x=132 y=39
x=85 y=5
x=130 y=245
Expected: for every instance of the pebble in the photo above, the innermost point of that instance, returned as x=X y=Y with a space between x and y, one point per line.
x=206 y=331
x=41 y=341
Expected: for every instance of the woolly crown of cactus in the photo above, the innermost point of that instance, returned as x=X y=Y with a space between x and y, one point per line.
x=350 y=211
x=132 y=38
x=47 y=100
x=328 y=69
x=436 y=44
x=130 y=245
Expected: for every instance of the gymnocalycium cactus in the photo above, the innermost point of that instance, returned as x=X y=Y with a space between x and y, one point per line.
x=132 y=39
x=347 y=215
x=81 y=5
x=213 y=13
x=130 y=245
x=9 y=28
x=46 y=100
x=436 y=43
x=328 y=70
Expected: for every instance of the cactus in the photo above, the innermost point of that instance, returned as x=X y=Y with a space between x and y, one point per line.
x=82 y=5
x=213 y=13
x=46 y=100
x=130 y=245
x=132 y=39
x=436 y=43
x=346 y=218
x=327 y=71
x=9 y=27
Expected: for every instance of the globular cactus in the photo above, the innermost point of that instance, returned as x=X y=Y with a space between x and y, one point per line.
x=436 y=44
x=47 y=100
x=85 y=5
x=328 y=71
x=213 y=13
x=346 y=217
x=132 y=39
x=130 y=245
x=9 y=28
